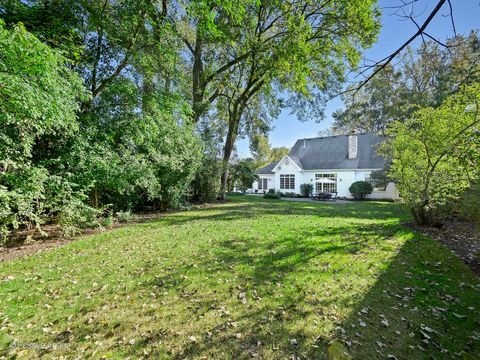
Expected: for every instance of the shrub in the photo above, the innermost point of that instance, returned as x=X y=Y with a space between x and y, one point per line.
x=360 y=189
x=289 y=194
x=206 y=185
x=306 y=190
x=271 y=195
x=435 y=154
x=468 y=207
x=107 y=221
x=123 y=216
x=76 y=215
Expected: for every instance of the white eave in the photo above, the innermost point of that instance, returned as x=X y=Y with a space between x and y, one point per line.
x=289 y=158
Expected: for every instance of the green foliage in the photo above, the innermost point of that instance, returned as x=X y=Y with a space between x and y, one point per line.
x=271 y=195
x=75 y=215
x=123 y=216
x=263 y=154
x=423 y=77
x=40 y=98
x=288 y=194
x=206 y=184
x=306 y=190
x=436 y=154
x=39 y=94
x=242 y=173
x=468 y=206
x=107 y=221
x=137 y=160
x=380 y=179
x=360 y=189
x=52 y=164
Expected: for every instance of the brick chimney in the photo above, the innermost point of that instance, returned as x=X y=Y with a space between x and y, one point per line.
x=352 y=145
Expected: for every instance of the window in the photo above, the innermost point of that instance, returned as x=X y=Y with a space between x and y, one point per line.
x=326 y=187
x=287 y=182
x=263 y=184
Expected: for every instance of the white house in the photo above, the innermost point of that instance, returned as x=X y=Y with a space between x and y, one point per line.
x=343 y=159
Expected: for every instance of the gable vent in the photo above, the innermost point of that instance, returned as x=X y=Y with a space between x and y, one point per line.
x=352 y=146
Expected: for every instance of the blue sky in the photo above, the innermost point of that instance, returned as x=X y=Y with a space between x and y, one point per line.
x=287 y=129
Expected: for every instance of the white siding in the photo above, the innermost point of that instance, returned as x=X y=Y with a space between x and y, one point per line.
x=285 y=167
x=270 y=181
x=345 y=178
x=390 y=192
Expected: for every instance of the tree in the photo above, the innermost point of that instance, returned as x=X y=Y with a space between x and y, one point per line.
x=133 y=143
x=374 y=106
x=285 y=49
x=423 y=77
x=436 y=154
x=242 y=173
x=262 y=153
x=39 y=98
x=276 y=154
x=380 y=178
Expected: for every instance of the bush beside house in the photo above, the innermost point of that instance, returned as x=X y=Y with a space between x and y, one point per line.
x=306 y=190
x=360 y=189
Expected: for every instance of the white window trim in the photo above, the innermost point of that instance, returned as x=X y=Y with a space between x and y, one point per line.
x=290 y=178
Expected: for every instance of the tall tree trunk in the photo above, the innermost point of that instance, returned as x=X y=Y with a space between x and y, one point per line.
x=233 y=122
x=197 y=94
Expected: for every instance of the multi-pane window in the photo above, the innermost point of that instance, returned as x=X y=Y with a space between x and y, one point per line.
x=330 y=187
x=287 y=182
x=263 y=184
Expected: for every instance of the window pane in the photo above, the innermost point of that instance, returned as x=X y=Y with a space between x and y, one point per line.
x=327 y=187
x=287 y=182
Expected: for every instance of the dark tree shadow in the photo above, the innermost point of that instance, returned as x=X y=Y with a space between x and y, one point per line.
x=425 y=305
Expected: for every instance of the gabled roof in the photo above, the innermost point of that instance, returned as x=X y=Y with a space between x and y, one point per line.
x=332 y=153
x=267 y=169
x=294 y=159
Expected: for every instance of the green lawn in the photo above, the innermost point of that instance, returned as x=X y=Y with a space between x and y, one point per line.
x=249 y=278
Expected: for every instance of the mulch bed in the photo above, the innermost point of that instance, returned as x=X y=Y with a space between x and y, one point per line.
x=36 y=242
x=461 y=237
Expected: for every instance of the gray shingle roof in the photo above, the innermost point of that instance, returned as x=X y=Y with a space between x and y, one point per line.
x=267 y=169
x=332 y=153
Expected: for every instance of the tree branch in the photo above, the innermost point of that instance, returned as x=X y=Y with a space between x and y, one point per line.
x=380 y=65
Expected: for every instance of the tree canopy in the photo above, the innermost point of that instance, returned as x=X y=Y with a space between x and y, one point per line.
x=436 y=154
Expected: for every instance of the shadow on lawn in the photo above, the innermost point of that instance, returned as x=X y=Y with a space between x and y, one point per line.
x=425 y=305
x=241 y=211
x=417 y=308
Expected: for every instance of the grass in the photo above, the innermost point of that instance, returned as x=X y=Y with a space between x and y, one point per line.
x=248 y=278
